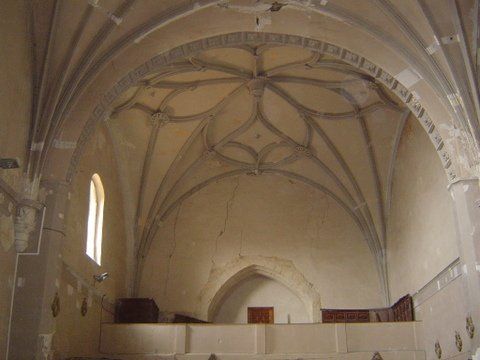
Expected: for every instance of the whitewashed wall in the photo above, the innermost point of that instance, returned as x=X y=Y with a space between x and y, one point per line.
x=334 y=341
x=265 y=216
x=422 y=241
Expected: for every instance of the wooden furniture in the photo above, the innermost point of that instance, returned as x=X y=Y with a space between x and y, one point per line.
x=136 y=310
x=260 y=315
x=402 y=310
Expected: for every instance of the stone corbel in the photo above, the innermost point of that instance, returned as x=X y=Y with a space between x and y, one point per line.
x=25 y=224
x=26 y=211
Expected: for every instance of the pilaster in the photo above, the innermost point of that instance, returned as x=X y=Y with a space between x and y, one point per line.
x=466 y=200
x=37 y=281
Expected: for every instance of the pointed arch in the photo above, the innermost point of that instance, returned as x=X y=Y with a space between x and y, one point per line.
x=222 y=280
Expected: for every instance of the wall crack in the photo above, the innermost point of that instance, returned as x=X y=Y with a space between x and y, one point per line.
x=228 y=206
x=172 y=251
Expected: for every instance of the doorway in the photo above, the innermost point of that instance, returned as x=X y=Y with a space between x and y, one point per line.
x=260 y=315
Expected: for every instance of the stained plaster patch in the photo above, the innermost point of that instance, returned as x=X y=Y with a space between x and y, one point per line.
x=6 y=223
x=46 y=341
x=456 y=138
x=6 y=232
x=64 y=145
x=255 y=9
x=262 y=21
x=13 y=178
x=408 y=77
x=434 y=46
x=358 y=90
x=101 y=140
x=37 y=146
x=121 y=139
x=450 y=39
x=95 y=3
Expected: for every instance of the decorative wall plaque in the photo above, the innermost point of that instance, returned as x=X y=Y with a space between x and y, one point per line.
x=458 y=341
x=470 y=327
x=84 y=307
x=55 y=306
x=438 y=350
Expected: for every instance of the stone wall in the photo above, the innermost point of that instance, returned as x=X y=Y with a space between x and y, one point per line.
x=14 y=124
x=78 y=335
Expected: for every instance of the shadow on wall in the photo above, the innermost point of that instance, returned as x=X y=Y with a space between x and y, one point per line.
x=261 y=291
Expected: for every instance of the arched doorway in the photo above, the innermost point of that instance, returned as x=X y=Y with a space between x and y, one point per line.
x=222 y=282
x=259 y=291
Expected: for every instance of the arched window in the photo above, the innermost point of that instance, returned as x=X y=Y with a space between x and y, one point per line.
x=95 y=219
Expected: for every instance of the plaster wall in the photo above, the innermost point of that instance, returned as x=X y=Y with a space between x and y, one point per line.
x=422 y=240
x=78 y=335
x=7 y=266
x=15 y=81
x=442 y=315
x=264 y=216
x=254 y=341
x=262 y=291
x=421 y=228
x=14 y=123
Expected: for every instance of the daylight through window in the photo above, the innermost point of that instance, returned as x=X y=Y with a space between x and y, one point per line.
x=95 y=219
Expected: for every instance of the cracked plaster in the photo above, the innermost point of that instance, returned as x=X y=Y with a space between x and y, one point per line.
x=311 y=234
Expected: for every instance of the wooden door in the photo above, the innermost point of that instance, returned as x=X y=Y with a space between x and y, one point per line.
x=260 y=315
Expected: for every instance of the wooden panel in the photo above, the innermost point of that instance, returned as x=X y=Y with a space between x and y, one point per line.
x=403 y=309
x=136 y=310
x=381 y=315
x=345 y=316
x=260 y=315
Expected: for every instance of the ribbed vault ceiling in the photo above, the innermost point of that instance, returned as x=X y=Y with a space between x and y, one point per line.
x=256 y=110
x=242 y=110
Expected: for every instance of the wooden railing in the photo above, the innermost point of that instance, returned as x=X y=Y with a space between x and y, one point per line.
x=402 y=310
